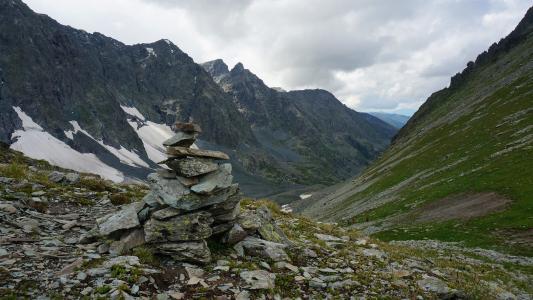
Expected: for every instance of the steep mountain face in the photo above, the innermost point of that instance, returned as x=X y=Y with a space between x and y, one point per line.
x=92 y=94
x=81 y=100
x=461 y=168
x=298 y=128
x=396 y=120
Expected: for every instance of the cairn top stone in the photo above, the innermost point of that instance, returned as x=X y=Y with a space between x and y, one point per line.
x=182 y=139
x=182 y=152
x=187 y=127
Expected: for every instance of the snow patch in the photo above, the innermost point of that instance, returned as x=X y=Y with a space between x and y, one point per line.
x=305 y=196
x=151 y=52
x=124 y=155
x=36 y=143
x=132 y=111
x=153 y=135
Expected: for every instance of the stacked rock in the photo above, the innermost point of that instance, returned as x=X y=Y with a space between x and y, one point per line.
x=189 y=202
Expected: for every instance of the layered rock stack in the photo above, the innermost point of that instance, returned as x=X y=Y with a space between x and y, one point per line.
x=191 y=201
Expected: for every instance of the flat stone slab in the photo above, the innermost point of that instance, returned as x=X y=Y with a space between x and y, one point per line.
x=195 y=201
x=181 y=139
x=195 y=251
x=168 y=190
x=166 y=213
x=189 y=227
x=192 y=166
x=182 y=152
x=219 y=179
x=257 y=247
x=125 y=218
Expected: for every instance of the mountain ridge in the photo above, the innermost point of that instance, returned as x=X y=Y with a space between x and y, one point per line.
x=92 y=95
x=458 y=171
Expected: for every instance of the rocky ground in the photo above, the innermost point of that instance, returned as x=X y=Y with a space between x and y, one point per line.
x=44 y=213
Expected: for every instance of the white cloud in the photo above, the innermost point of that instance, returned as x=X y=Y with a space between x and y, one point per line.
x=372 y=55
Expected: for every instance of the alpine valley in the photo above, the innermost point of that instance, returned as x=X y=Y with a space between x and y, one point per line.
x=132 y=172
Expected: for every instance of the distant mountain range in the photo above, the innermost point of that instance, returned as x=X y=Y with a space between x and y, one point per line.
x=461 y=169
x=396 y=120
x=89 y=102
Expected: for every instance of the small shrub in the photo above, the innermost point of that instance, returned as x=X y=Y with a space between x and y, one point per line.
x=146 y=256
x=96 y=184
x=14 y=170
x=120 y=199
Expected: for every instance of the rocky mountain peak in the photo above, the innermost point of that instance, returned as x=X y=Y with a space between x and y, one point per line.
x=239 y=67
x=216 y=67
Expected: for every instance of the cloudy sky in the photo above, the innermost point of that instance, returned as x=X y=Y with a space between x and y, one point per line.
x=385 y=55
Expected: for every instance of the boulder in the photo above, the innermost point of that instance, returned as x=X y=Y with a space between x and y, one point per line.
x=257 y=247
x=258 y=279
x=169 y=190
x=72 y=178
x=249 y=221
x=194 y=251
x=217 y=180
x=181 y=139
x=56 y=176
x=183 y=152
x=125 y=218
x=191 y=166
x=189 y=227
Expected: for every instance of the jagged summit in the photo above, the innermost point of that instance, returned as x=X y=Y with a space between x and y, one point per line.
x=216 y=67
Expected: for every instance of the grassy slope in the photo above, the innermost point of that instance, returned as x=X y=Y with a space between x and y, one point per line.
x=490 y=112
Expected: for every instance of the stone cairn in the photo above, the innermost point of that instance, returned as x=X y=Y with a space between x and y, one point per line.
x=191 y=201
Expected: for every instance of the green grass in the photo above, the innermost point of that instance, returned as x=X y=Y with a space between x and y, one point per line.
x=467 y=145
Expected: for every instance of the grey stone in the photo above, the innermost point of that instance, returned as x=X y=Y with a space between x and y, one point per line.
x=249 y=221
x=235 y=234
x=188 y=182
x=72 y=178
x=170 y=191
x=153 y=200
x=192 y=166
x=195 y=251
x=189 y=227
x=229 y=216
x=167 y=174
x=8 y=208
x=258 y=279
x=219 y=179
x=56 y=176
x=256 y=247
x=166 y=213
x=433 y=285
x=221 y=228
x=229 y=204
x=195 y=201
x=181 y=139
x=125 y=218
x=127 y=242
x=328 y=238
